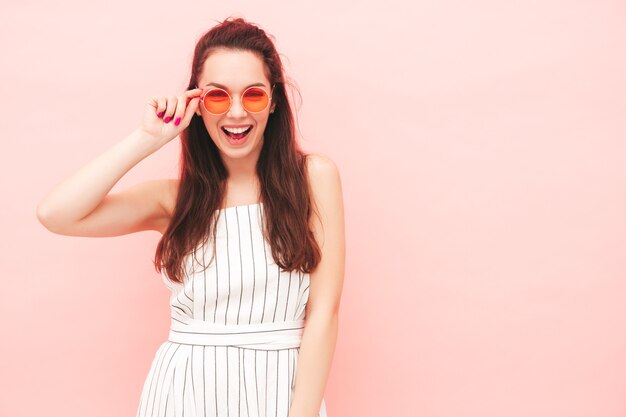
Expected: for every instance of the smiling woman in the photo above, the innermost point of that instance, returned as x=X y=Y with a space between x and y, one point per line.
x=252 y=244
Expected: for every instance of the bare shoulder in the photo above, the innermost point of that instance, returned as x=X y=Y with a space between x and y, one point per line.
x=325 y=183
x=169 y=195
x=320 y=167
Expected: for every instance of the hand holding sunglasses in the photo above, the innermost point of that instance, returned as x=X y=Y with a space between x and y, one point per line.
x=166 y=117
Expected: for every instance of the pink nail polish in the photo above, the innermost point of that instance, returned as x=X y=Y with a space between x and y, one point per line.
x=177 y=121
x=167 y=119
x=160 y=114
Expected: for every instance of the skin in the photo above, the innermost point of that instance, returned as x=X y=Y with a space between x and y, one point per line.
x=237 y=70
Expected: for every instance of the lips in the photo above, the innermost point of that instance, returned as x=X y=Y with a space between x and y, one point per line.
x=238 y=139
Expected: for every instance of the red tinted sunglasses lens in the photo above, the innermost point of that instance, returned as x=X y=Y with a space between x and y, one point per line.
x=255 y=100
x=216 y=101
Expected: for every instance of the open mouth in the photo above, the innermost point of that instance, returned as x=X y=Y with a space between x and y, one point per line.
x=237 y=136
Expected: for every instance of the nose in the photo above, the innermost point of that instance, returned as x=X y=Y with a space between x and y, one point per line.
x=236 y=108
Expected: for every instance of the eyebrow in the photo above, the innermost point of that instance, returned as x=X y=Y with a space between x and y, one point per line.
x=226 y=88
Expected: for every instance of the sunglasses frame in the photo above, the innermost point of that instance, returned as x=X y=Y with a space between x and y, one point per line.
x=230 y=98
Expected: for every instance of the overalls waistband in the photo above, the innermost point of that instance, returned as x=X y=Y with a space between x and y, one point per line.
x=264 y=336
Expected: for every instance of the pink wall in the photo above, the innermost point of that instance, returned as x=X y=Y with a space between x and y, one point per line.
x=481 y=146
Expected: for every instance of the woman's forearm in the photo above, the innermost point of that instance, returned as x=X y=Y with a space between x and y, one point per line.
x=314 y=360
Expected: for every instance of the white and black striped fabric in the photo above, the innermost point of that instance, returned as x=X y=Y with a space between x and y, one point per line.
x=235 y=331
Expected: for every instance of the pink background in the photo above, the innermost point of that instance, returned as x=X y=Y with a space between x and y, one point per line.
x=482 y=151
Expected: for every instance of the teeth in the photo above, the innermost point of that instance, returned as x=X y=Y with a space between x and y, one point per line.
x=237 y=130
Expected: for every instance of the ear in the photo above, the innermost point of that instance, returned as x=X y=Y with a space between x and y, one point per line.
x=272 y=108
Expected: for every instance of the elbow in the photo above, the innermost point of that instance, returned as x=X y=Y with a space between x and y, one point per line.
x=42 y=214
x=46 y=218
x=329 y=315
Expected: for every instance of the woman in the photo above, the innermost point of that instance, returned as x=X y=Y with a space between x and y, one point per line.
x=252 y=243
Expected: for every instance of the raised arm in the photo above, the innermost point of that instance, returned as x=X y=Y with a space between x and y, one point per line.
x=82 y=204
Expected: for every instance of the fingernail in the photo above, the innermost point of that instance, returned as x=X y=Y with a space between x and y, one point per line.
x=161 y=114
x=177 y=121
x=167 y=119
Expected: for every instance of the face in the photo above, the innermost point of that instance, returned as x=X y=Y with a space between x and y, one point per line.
x=236 y=71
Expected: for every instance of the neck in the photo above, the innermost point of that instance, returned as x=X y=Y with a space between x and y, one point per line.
x=241 y=170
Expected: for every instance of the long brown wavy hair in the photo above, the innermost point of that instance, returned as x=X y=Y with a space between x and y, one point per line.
x=281 y=170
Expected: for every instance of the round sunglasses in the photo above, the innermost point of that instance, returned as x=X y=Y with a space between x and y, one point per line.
x=217 y=101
